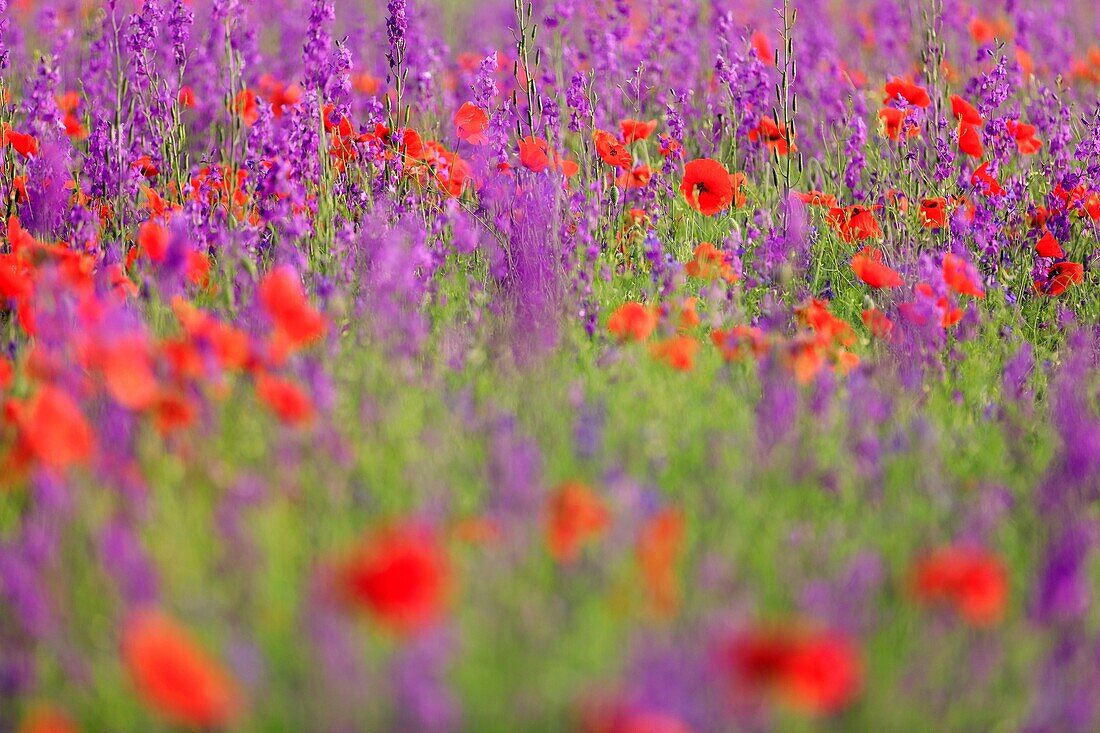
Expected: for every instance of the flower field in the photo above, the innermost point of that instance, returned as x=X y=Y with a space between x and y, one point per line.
x=608 y=366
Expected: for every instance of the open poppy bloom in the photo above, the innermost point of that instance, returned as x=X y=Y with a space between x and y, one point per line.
x=868 y=267
x=898 y=88
x=471 y=122
x=533 y=154
x=637 y=178
x=854 y=223
x=174 y=676
x=24 y=144
x=892 y=122
x=774 y=135
x=933 y=213
x=1060 y=277
x=816 y=198
x=635 y=130
x=400 y=576
x=632 y=322
x=611 y=151
x=575 y=516
x=971 y=580
x=707 y=186
x=817 y=672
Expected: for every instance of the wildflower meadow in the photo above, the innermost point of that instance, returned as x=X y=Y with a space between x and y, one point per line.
x=597 y=366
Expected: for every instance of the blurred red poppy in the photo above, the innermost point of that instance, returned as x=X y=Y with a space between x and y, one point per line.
x=174 y=676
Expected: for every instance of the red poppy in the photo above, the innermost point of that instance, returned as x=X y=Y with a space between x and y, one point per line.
x=970 y=140
x=297 y=322
x=575 y=516
x=709 y=263
x=816 y=198
x=153 y=240
x=1061 y=277
x=637 y=178
x=1048 y=246
x=366 y=83
x=960 y=276
x=186 y=97
x=15 y=277
x=854 y=223
x=285 y=398
x=7 y=374
x=611 y=151
x=635 y=130
x=471 y=122
x=878 y=323
x=127 y=367
x=815 y=672
x=632 y=322
x=74 y=128
x=660 y=545
x=971 y=580
x=24 y=144
x=678 y=352
x=739 y=342
x=173 y=411
x=400 y=576
x=174 y=676
x=900 y=88
x=669 y=146
x=981 y=31
x=569 y=168
x=1026 y=142
x=53 y=431
x=892 y=121
x=280 y=95
x=707 y=186
x=933 y=213
x=146 y=166
x=868 y=267
x=990 y=185
x=763 y=47
x=964 y=111
x=533 y=154
x=245 y=106
x=774 y=135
